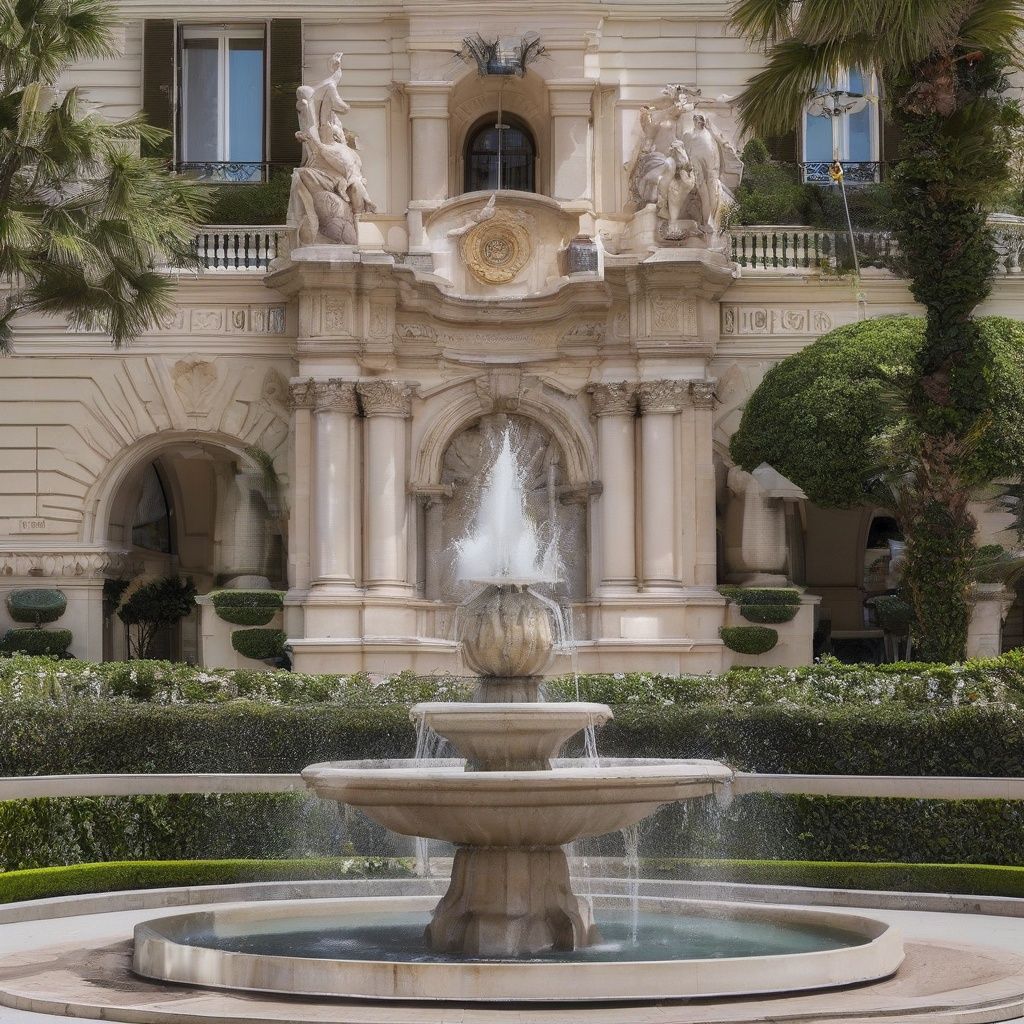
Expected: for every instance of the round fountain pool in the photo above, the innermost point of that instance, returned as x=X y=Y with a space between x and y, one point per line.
x=373 y=948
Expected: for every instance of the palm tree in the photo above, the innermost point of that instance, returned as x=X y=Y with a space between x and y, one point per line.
x=85 y=223
x=942 y=69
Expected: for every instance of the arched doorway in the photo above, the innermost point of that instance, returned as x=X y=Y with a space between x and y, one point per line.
x=500 y=153
x=464 y=466
x=201 y=510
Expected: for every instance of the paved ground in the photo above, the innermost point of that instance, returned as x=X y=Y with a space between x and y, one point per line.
x=111 y=930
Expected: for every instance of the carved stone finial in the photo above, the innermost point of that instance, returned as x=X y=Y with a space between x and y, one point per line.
x=336 y=395
x=664 y=395
x=385 y=397
x=704 y=393
x=614 y=399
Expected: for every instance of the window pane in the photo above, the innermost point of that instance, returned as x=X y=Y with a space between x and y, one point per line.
x=818 y=138
x=201 y=99
x=857 y=80
x=860 y=134
x=245 y=118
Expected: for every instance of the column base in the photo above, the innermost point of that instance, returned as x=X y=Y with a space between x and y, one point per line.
x=505 y=902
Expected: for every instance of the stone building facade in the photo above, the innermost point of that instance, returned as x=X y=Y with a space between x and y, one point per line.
x=311 y=417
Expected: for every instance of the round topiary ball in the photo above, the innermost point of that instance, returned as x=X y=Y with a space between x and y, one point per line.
x=749 y=639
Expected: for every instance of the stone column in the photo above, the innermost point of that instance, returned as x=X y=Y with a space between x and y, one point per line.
x=336 y=497
x=702 y=394
x=301 y=455
x=614 y=405
x=660 y=403
x=386 y=405
x=571 y=111
x=428 y=113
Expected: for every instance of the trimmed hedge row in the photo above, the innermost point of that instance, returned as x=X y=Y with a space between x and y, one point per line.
x=241 y=736
x=44 y=883
x=72 y=830
x=36 y=641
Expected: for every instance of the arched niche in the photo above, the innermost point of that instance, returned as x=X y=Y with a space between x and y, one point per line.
x=551 y=502
x=499 y=155
x=473 y=99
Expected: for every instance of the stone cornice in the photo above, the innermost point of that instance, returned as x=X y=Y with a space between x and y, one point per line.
x=613 y=399
x=385 y=397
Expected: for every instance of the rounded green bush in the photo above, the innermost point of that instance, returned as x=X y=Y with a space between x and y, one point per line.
x=248 y=607
x=761 y=595
x=892 y=613
x=816 y=415
x=769 y=612
x=259 y=644
x=36 y=605
x=37 y=641
x=749 y=639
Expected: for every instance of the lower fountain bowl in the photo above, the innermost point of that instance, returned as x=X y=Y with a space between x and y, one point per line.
x=372 y=948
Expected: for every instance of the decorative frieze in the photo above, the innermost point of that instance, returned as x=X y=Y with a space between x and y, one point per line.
x=664 y=395
x=249 y=319
x=703 y=393
x=67 y=563
x=302 y=393
x=672 y=316
x=739 y=321
x=385 y=397
x=335 y=395
x=614 y=399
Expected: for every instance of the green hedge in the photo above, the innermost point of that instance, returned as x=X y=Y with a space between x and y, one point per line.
x=769 y=613
x=36 y=641
x=761 y=595
x=36 y=605
x=259 y=643
x=72 y=830
x=44 y=883
x=749 y=639
x=248 y=607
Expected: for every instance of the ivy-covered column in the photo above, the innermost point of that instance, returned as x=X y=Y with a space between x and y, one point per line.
x=337 y=497
x=614 y=405
x=387 y=405
x=661 y=401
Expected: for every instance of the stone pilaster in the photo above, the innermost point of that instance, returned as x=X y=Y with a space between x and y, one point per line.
x=706 y=548
x=571 y=115
x=337 y=498
x=386 y=404
x=428 y=115
x=301 y=396
x=614 y=405
x=661 y=401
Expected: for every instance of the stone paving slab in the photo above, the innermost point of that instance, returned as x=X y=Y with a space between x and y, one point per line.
x=939 y=983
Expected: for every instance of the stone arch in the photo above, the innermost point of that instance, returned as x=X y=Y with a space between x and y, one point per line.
x=473 y=98
x=446 y=414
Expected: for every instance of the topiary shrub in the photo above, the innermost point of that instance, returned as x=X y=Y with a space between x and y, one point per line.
x=248 y=607
x=155 y=606
x=259 y=644
x=761 y=595
x=37 y=605
x=774 y=613
x=892 y=613
x=37 y=641
x=749 y=639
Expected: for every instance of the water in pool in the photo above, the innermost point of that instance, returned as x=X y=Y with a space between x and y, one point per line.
x=399 y=938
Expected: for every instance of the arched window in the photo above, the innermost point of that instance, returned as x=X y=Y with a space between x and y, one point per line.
x=151 y=524
x=504 y=146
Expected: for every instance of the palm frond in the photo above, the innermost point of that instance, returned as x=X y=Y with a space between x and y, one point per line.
x=993 y=25
x=764 y=22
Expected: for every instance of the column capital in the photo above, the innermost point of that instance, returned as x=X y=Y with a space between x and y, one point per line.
x=335 y=395
x=302 y=393
x=617 y=398
x=703 y=393
x=664 y=395
x=385 y=397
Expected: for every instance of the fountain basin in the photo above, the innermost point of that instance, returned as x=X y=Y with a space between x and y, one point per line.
x=509 y=737
x=437 y=799
x=368 y=948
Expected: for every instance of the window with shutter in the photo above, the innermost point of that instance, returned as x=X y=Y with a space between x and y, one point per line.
x=158 y=67
x=222 y=125
x=285 y=77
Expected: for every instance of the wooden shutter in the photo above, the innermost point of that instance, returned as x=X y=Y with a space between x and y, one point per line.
x=285 y=66
x=889 y=139
x=159 y=43
x=784 y=148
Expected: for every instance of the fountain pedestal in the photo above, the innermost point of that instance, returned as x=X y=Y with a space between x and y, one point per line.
x=510 y=902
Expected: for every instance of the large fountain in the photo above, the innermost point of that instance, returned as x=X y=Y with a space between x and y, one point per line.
x=510 y=925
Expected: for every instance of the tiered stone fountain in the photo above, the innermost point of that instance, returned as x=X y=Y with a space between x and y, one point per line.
x=510 y=925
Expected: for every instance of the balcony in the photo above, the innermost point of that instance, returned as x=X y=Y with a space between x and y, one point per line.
x=226 y=248
x=855 y=172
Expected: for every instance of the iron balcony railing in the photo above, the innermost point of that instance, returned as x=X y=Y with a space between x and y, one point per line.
x=229 y=172
x=855 y=172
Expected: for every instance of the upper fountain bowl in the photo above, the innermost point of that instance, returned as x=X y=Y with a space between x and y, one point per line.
x=506 y=632
x=509 y=737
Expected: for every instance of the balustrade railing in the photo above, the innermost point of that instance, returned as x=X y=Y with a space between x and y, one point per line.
x=239 y=247
x=781 y=247
x=855 y=172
